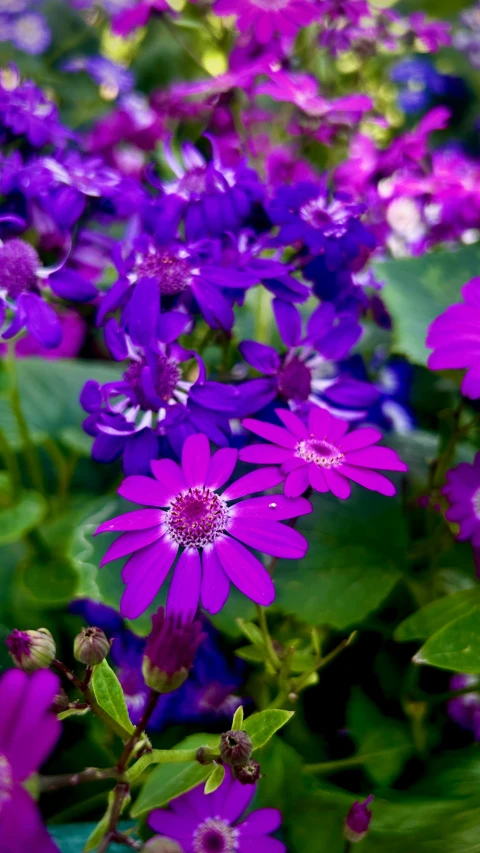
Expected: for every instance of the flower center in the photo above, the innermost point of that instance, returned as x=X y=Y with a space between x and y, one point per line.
x=194 y=182
x=215 y=836
x=6 y=781
x=294 y=380
x=19 y=263
x=165 y=379
x=476 y=503
x=171 y=271
x=197 y=517
x=322 y=453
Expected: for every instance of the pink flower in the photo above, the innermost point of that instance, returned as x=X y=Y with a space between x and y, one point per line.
x=210 y=531
x=462 y=491
x=265 y=18
x=455 y=338
x=322 y=456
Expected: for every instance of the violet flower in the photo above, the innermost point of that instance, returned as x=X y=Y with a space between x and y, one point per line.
x=265 y=19
x=170 y=650
x=465 y=710
x=322 y=456
x=455 y=338
x=211 y=531
x=207 y=822
x=28 y=732
x=26 y=111
x=462 y=491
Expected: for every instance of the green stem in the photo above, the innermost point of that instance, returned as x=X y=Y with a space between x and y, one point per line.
x=11 y=464
x=31 y=455
x=269 y=647
x=70 y=780
x=61 y=467
x=326 y=768
x=452 y=694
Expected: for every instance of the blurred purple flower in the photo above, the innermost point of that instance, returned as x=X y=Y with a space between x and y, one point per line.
x=463 y=494
x=115 y=78
x=264 y=19
x=26 y=111
x=455 y=338
x=465 y=710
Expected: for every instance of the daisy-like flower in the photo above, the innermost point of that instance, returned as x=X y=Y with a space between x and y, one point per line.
x=455 y=338
x=265 y=18
x=204 y=823
x=321 y=455
x=463 y=494
x=28 y=732
x=210 y=530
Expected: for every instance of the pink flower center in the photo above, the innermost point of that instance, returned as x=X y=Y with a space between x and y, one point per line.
x=294 y=380
x=166 y=376
x=321 y=452
x=171 y=271
x=19 y=263
x=196 y=517
x=6 y=781
x=215 y=836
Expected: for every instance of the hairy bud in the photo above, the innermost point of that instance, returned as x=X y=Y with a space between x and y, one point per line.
x=235 y=748
x=247 y=774
x=357 y=821
x=158 y=844
x=91 y=646
x=31 y=650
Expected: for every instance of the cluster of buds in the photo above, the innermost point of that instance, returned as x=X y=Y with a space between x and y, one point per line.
x=235 y=751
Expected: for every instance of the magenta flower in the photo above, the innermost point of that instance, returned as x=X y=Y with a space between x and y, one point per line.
x=455 y=338
x=210 y=531
x=28 y=732
x=322 y=456
x=265 y=18
x=463 y=494
x=203 y=823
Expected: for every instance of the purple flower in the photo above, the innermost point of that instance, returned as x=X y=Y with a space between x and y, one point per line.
x=30 y=33
x=455 y=338
x=465 y=710
x=136 y=14
x=28 y=732
x=170 y=650
x=211 y=531
x=265 y=19
x=358 y=820
x=26 y=111
x=320 y=456
x=305 y=213
x=463 y=494
x=208 y=822
x=112 y=77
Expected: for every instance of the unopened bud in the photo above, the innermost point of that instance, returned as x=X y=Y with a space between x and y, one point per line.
x=357 y=821
x=206 y=755
x=31 y=650
x=248 y=774
x=235 y=748
x=91 y=646
x=170 y=651
x=61 y=702
x=158 y=844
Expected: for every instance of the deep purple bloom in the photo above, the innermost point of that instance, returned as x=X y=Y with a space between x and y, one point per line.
x=455 y=338
x=209 y=822
x=136 y=14
x=28 y=732
x=305 y=213
x=463 y=494
x=465 y=710
x=113 y=78
x=265 y=18
x=322 y=456
x=26 y=111
x=208 y=695
x=358 y=820
x=170 y=650
x=211 y=532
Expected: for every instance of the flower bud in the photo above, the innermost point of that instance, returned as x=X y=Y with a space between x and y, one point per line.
x=91 y=646
x=206 y=755
x=170 y=651
x=31 y=650
x=357 y=821
x=61 y=702
x=159 y=844
x=235 y=748
x=247 y=774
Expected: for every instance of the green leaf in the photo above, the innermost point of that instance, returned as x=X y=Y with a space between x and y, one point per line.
x=349 y=569
x=109 y=695
x=72 y=712
x=384 y=743
x=251 y=631
x=456 y=646
x=262 y=726
x=215 y=779
x=50 y=581
x=252 y=654
x=237 y=722
x=419 y=289
x=170 y=780
x=435 y=615
x=97 y=834
x=157 y=756
x=17 y=520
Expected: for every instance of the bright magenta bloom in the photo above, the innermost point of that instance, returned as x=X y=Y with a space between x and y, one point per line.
x=265 y=18
x=455 y=338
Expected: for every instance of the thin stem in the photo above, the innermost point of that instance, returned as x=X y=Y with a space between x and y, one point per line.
x=328 y=767
x=31 y=455
x=11 y=463
x=348 y=847
x=122 y=838
x=269 y=647
x=140 y=728
x=120 y=793
x=70 y=780
x=452 y=694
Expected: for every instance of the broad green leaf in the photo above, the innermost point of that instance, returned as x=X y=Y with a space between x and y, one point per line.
x=109 y=695
x=96 y=836
x=349 y=569
x=237 y=722
x=215 y=779
x=17 y=520
x=434 y=616
x=252 y=654
x=251 y=631
x=157 y=756
x=383 y=743
x=419 y=289
x=262 y=726
x=170 y=780
x=456 y=646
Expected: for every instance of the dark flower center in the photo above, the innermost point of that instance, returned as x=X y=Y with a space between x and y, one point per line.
x=19 y=263
x=165 y=378
x=322 y=453
x=294 y=380
x=171 y=271
x=197 y=517
x=215 y=836
x=6 y=781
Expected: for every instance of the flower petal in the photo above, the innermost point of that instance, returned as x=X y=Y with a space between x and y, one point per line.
x=297 y=482
x=376 y=457
x=221 y=467
x=170 y=476
x=274 y=508
x=129 y=542
x=141 y=591
x=144 y=490
x=184 y=592
x=261 y=822
x=337 y=484
x=215 y=584
x=245 y=571
x=269 y=537
x=369 y=479
x=275 y=434
x=316 y=478
x=256 y=481
x=360 y=438
x=267 y=454
x=140 y=519
x=292 y=423
x=195 y=459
